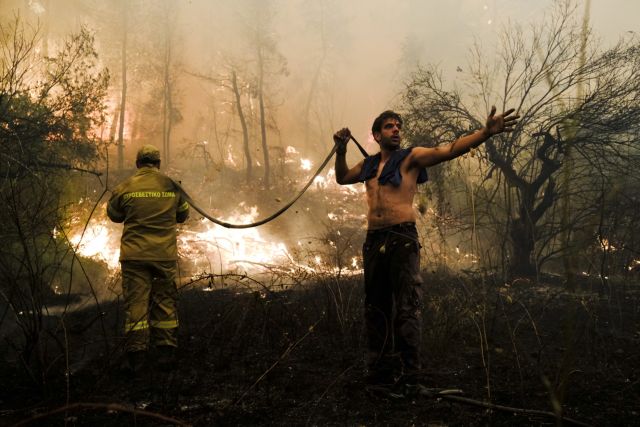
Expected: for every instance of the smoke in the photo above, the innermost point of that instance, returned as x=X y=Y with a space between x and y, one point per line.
x=320 y=65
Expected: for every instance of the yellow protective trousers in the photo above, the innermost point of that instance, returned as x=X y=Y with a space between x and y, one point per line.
x=150 y=304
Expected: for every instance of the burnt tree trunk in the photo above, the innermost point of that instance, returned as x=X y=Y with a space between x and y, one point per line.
x=263 y=125
x=243 y=123
x=123 y=96
x=167 y=105
x=523 y=228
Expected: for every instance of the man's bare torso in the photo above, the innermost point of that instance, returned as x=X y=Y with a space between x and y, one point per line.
x=389 y=205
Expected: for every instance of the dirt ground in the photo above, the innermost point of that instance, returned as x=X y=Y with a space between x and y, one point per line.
x=295 y=357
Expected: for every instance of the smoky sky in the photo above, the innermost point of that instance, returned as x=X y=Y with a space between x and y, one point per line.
x=364 y=49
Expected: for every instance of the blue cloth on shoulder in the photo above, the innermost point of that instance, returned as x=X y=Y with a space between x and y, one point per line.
x=391 y=171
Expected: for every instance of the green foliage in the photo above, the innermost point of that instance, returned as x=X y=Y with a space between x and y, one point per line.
x=51 y=110
x=49 y=107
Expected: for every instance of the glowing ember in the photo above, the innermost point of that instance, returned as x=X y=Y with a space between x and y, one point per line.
x=305 y=164
x=605 y=245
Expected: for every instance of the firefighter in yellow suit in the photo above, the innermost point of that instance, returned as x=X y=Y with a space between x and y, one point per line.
x=150 y=205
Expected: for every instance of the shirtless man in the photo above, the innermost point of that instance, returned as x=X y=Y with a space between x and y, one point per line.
x=391 y=252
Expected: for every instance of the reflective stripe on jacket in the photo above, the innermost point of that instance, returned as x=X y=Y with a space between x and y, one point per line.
x=150 y=205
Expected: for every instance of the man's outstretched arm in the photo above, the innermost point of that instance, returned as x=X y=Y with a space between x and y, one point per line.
x=422 y=157
x=344 y=175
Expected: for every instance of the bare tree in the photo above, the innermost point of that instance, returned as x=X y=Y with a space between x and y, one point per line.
x=539 y=76
x=243 y=122
x=123 y=92
x=230 y=81
x=167 y=83
x=51 y=111
x=155 y=50
x=269 y=63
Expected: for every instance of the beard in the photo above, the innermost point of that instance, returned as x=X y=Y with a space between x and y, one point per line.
x=390 y=145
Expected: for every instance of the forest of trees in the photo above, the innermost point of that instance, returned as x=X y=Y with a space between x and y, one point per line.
x=85 y=83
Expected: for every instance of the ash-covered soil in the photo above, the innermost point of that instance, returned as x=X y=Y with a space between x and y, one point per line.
x=295 y=357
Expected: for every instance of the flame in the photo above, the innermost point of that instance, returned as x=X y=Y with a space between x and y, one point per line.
x=100 y=241
x=354 y=263
x=205 y=247
x=605 y=245
x=327 y=182
x=305 y=164
x=230 y=160
x=211 y=245
x=112 y=104
x=320 y=181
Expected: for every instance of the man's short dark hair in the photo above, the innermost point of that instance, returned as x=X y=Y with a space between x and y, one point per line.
x=377 y=123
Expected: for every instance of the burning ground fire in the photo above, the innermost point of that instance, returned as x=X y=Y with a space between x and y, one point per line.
x=100 y=241
x=210 y=247
x=207 y=247
x=204 y=247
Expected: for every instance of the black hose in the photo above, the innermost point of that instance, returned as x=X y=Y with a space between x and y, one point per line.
x=265 y=220
x=275 y=214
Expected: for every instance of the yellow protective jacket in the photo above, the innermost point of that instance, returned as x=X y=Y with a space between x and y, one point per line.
x=150 y=204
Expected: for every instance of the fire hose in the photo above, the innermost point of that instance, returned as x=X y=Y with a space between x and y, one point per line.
x=279 y=212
